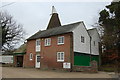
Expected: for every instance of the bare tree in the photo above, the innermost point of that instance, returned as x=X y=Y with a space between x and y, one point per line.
x=12 y=33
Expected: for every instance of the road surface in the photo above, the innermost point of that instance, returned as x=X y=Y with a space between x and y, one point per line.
x=13 y=72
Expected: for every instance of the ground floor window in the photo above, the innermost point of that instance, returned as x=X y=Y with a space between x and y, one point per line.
x=60 y=56
x=31 y=56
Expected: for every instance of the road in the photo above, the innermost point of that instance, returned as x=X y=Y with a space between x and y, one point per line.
x=13 y=72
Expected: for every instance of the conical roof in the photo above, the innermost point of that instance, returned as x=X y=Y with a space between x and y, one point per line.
x=54 y=20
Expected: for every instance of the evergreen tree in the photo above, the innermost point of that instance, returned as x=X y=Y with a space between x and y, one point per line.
x=110 y=21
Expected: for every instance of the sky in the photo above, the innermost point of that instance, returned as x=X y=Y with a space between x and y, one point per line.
x=34 y=16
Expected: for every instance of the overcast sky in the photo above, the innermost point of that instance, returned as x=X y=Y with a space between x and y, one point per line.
x=35 y=15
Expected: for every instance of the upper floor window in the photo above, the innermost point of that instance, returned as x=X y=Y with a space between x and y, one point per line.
x=37 y=45
x=31 y=56
x=38 y=42
x=60 y=40
x=60 y=56
x=94 y=43
x=82 y=39
x=47 y=41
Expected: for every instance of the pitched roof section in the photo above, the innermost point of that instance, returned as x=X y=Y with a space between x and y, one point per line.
x=91 y=31
x=55 y=31
x=54 y=20
x=21 y=49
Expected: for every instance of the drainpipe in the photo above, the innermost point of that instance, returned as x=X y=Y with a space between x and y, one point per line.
x=71 y=51
x=90 y=49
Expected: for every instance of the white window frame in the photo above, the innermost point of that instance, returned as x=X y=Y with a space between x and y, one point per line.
x=31 y=56
x=60 y=40
x=59 y=57
x=38 y=45
x=38 y=42
x=47 y=42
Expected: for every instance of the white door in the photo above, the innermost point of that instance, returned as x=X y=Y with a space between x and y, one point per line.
x=37 y=61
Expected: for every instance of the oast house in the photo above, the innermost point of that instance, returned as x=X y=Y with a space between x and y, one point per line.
x=69 y=46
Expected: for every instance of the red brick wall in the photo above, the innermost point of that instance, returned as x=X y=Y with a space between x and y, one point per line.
x=15 y=61
x=49 y=53
x=30 y=49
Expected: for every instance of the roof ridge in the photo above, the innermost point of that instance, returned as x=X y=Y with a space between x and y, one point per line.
x=56 y=30
x=63 y=25
x=92 y=28
x=72 y=23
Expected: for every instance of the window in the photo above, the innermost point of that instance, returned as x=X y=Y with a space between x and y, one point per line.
x=60 y=56
x=94 y=43
x=47 y=41
x=31 y=56
x=82 y=39
x=60 y=40
x=37 y=45
x=37 y=42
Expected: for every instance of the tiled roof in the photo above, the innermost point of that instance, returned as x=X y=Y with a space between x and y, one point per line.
x=90 y=31
x=21 y=49
x=55 y=31
x=54 y=21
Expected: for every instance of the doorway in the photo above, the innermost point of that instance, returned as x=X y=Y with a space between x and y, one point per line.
x=19 y=61
x=37 y=61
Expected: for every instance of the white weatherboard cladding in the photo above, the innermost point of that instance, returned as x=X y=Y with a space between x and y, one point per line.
x=78 y=45
x=95 y=37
